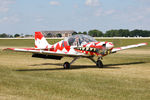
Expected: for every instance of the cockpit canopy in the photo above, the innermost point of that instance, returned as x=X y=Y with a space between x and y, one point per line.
x=79 y=40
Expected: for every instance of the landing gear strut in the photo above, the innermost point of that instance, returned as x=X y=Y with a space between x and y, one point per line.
x=67 y=64
x=98 y=63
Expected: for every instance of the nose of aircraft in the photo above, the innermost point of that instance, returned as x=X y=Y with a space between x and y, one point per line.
x=109 y=45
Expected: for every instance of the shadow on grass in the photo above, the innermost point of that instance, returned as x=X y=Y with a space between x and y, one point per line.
x=107 y=66
x=57 y=64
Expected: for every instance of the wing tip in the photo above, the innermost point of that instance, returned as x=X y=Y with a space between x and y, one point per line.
x=9 y=49
x=146 y=43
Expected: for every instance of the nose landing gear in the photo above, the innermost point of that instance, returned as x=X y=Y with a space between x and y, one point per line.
x=99 y=64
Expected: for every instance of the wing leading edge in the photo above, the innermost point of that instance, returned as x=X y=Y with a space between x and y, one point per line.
x=127 y=47
x=32 y=50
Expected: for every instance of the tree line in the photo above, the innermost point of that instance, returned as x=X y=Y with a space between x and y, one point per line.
x=96 y=33
x=4 y=35
x=117 y=33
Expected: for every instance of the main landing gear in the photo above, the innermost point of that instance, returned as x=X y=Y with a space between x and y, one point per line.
x=66 y=65
x=98 y=63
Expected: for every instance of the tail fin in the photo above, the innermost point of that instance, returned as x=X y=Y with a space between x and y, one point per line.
x=40 y=41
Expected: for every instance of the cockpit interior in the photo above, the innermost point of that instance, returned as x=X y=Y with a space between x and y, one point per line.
x=79 y=40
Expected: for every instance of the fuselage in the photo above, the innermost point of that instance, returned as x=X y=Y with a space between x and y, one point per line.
x=82 y=45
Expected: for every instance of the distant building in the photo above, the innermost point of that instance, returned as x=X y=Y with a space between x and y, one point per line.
x=65 y=33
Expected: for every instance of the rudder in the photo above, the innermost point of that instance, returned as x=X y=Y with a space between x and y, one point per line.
x=40 y=41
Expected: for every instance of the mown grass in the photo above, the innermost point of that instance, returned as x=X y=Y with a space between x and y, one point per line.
x=125 y=76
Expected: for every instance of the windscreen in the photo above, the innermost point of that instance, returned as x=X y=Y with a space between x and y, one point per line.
x=79 y=40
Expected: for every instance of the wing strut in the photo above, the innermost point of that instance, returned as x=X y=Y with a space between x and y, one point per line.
x=91 y=58
x=74 y=60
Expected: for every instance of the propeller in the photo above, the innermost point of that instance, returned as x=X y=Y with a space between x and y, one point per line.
x=104 y=51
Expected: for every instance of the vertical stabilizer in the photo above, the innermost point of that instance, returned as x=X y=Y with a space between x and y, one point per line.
x=40 y=41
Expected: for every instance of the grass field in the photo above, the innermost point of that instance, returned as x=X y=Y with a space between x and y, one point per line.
x=126 y=75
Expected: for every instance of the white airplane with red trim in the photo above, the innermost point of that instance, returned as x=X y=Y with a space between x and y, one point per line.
x=75 y=46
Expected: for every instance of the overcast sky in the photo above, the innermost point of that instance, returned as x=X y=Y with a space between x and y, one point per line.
x=28 y=16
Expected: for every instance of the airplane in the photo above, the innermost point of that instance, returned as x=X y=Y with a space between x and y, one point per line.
x=75 y=46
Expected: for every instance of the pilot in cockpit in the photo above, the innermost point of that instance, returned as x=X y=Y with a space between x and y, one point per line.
x=77 y=41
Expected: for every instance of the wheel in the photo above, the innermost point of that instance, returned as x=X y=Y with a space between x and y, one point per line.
x=99 y=64
x=66 y=65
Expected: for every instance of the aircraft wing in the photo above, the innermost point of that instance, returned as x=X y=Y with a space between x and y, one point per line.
x=32 y=50
x=127 y=47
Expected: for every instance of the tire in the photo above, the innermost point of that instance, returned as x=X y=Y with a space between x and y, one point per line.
x=66 y=65
x=99 y=64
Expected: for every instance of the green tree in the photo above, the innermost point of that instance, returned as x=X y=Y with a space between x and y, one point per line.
x=74 y=33
x=4 y=35
x=123 y=33
x=58 y=35
x=95 y=33
x=117 y=33
x=135 y=32
x=17 y=35
x=79 y=32
x=143 y=33
x=49 y=35
x=11 y=36
x=146 y=33
x=85 y=33
x=108 y=33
